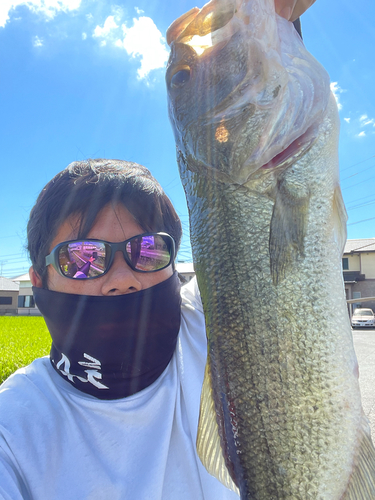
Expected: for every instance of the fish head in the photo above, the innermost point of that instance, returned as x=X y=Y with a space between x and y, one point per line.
x=243 y=91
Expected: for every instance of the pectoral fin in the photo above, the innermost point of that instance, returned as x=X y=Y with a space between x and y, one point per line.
x=362 y=481
x=288 y=227
x=208 y=438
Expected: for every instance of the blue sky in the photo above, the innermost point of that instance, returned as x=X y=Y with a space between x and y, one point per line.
x=85 y=79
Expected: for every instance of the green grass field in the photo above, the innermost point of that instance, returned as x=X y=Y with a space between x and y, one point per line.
x=22 y=339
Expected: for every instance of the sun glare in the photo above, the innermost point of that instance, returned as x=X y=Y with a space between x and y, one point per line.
x=222 y=134
x=200 y=43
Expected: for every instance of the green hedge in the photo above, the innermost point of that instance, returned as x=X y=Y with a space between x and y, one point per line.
x=22 y=339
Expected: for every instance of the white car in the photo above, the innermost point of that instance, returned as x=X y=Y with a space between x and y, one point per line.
x=363 y=317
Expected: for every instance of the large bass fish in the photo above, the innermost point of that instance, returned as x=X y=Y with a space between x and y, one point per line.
x=256 y=129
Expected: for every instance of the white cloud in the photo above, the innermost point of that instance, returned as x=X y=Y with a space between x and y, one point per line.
x=336 y=90
x=84 y=36
x=144 y=40
x=139 y=11
x=364 y=120
x=48 y=8
x=368 y=122
x=109 y=26
x=38 y=42
x=103 y=43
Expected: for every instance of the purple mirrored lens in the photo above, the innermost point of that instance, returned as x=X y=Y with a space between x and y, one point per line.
x=148 y=253
x=83 y=259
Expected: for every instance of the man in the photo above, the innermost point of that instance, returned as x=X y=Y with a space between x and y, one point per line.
x=113 y=413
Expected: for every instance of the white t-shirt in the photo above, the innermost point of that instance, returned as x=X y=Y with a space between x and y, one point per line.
x=57 y=443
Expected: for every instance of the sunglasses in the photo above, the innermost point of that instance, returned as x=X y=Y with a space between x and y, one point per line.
x=89 y=258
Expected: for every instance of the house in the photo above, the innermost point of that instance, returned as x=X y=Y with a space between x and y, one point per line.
x=8 y=296
x=358 y=266
x=25 y=304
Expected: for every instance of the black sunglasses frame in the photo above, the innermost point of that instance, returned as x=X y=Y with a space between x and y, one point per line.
x=53 y=257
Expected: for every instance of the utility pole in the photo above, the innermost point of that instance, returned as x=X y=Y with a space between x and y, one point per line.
x=2 y=262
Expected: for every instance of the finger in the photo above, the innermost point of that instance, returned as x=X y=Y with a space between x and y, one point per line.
x=285 y=8
x=300 y=7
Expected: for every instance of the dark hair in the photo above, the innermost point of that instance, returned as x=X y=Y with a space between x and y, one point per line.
x=83 y=189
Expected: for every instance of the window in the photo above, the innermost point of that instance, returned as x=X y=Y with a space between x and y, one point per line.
x=6 y=301
x=345 y=264
x=363 y=312
x=26 y=301
x=357 y=296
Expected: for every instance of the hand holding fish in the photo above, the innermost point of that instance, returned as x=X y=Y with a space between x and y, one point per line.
x=292 y=9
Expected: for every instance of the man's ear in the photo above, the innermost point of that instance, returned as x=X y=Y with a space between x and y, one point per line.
x=34 y=278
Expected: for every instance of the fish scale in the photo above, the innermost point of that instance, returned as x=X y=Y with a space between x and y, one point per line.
x=256 y=131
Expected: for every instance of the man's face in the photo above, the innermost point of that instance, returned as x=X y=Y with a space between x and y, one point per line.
x=113 y=224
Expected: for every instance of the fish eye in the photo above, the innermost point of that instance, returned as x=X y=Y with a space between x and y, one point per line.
x=181 y=77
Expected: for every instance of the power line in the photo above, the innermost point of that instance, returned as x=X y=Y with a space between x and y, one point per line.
x=358 y=183
x=15 y=260
x=15 y=272
x=361 y=205
x=14 y=236
x=8 y=267
x=355 y=164
x=357 y=173
x=359 y=221
x=12 y=256
x=361 y=198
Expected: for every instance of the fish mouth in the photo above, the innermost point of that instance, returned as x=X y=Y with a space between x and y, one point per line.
x=294 y=151
x=203 y=28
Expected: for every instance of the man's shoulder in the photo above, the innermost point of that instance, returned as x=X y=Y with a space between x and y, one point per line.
x=37 y=368
x=26 y=384
x=193 y=331
x=190 y=295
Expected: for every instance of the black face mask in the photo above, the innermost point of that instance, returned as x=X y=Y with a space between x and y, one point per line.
x=112 y=347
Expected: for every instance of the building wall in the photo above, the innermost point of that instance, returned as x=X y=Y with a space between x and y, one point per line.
x=364 y=262
x=26 y=290
x=368 y=265
x=367 y=289
x=12 y=307
x=354 y=262
x=26 y=293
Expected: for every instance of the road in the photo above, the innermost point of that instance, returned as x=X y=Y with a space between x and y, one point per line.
x=364 y=344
